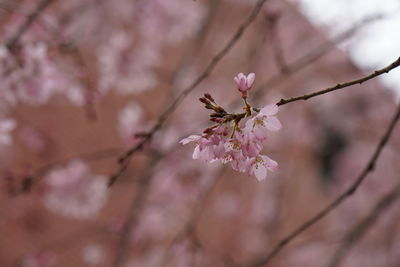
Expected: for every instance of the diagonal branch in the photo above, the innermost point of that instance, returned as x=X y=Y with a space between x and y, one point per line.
x=376 y=73
x=144 y=183
x=357 y=232
x=13 y=41
x=30 y=180
x=124 y=159
x=335 y=203
x=313 y=56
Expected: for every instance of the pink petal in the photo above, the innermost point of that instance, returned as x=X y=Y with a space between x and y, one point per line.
x=196 y=153
x=270 y=164
x=260 y=172
x=269 y=110
x=250 y=79
x=206 y=155
x=190 y=139
x=238 y=78
x=273 y=124
x=260 y=133
x=242 y=84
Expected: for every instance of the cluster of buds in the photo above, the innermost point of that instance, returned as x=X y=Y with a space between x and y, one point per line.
x=209 y=103
x=237 y=138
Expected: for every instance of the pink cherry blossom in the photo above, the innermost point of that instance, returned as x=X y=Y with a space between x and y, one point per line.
x=34 y=140
x=260 y=165
x=263 y=122
x=244 y=82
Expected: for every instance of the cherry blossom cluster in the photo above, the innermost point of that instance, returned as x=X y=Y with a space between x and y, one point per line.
x=237 y=138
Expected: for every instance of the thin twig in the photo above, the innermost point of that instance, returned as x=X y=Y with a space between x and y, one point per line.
x=36 y=175
x=341 y=198
x=13 y=41
x=143 y=187
x=314 y=55
x=189 y=229
x=123 y=160
x=358 y=231
x=272 y=23
x=376 y=73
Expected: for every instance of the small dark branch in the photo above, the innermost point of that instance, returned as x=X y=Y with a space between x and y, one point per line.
x=116 y=175
x=189 y=229
x=360 y=229
x=9 y=7
x=143 y=187
x=193 y=49
x=13 y=41
x=314 y=55
x=335 y=203
x=30 y=180
x=272 y=21
x=124 y=159
x=376 y=73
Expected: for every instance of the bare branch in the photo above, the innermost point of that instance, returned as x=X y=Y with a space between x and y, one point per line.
x=35 y=176
x=335 y=203
x=312 y=56
x=143 y=187
x=13 y=41
x=357 y=232
x=376 y=73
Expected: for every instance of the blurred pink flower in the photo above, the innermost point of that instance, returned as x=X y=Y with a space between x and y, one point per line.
x=74 y=191
x=154 y=225
x=6 y=126
x=33 y=139
x=131 y=121
x=93 y=254
x=41 y=259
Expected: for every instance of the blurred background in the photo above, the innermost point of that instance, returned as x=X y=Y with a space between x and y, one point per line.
x=83 y=81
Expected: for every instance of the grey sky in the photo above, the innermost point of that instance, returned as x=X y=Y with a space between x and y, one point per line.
x=377 y=45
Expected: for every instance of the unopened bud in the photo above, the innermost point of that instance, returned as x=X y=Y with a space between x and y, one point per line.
x=208 y=96
x=204 y=100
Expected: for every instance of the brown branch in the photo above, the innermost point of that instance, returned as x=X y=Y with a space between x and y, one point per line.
x=189 y=229
x=376 y=73
x=143 y=187
x=124 y=159
x=13 y=41
x=357 y=232
x=36 y=175
x=335 y=203
x=272 y=22
x=312 y=56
